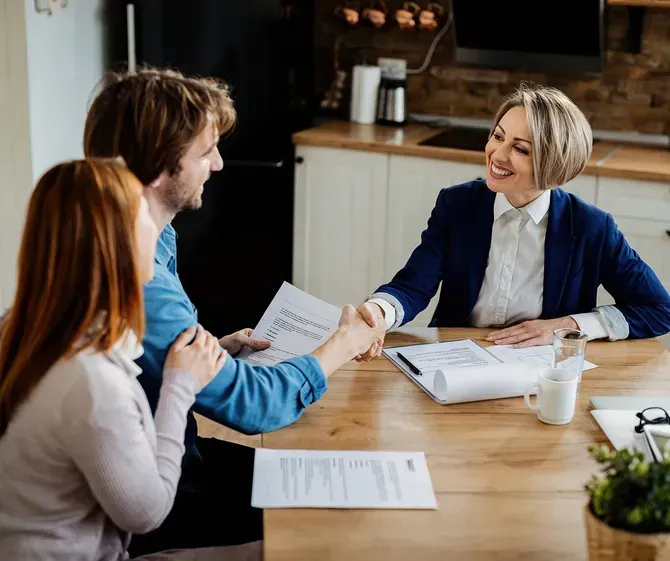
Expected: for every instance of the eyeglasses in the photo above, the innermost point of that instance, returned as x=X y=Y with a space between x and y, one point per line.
x=652 y=416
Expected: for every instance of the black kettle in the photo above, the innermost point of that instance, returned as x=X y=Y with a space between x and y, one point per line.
x=392 y=101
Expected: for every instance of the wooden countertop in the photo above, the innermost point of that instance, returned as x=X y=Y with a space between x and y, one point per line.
x=637 y=162
x=507 y=485
x=608 y=158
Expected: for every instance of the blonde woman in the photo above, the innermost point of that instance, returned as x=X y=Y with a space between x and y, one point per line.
x=518 y=254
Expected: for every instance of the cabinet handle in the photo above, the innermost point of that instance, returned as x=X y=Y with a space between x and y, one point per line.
x=300 y=160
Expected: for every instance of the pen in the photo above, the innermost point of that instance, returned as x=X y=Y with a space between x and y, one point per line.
x=413 y=368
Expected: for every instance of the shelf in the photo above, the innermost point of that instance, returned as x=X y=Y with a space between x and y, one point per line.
x=640 y=3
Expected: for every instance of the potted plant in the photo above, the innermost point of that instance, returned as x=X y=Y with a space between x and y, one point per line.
x=628 y=513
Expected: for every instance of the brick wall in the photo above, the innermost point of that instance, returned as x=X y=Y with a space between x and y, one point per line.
x=633 y=92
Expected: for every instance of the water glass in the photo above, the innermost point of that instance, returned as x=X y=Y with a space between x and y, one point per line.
x=569 y=347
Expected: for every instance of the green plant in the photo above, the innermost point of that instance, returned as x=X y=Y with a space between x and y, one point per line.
x=632 y=494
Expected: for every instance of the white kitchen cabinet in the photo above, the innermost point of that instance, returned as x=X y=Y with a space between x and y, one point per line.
x=630 y=198
x=339 y=224
x=641 y=209
x=584 y=186
x=414 y=184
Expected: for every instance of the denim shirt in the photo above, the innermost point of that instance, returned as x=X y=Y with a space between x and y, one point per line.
x=249 y=399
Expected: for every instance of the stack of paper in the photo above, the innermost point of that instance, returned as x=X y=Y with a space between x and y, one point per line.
x=337 y=479
x=541 y=356
x=461 y=371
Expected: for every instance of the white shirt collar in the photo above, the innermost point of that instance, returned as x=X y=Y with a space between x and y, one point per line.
x=125 y=351
x=536 y=209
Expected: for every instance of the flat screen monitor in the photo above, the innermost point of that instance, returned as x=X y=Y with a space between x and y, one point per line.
x=566 y=36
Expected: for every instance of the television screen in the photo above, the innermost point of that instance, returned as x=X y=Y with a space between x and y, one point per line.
x=566 y=35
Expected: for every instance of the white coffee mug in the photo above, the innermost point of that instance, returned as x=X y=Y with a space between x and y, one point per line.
x=556 y=396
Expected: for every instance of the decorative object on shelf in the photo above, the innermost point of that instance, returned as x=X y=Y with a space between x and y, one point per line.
x=50 y=7
x=429 y=19
x=628 y=512
x=375 y=14
x=348 y=13
x=335 y=93
x=406 y=16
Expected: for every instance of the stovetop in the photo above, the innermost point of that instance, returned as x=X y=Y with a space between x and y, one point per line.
x=461 y=137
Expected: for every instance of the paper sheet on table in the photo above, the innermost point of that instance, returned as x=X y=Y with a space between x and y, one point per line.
x=341 y=479
x=541 y=356
x=461 y=371
x=619 y=428
x=296 y=323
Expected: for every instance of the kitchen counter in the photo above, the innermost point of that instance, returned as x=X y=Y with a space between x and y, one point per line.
x=609 y=159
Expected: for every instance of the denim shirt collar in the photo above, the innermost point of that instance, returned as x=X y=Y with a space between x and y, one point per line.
x=166 y=248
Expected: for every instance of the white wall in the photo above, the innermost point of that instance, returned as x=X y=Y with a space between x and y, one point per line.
x=66 y=58
x=48 y=68
x=15 y=165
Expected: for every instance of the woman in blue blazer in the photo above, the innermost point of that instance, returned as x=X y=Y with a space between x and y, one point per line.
x=518 y=254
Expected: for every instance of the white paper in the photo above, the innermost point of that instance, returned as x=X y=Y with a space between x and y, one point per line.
x=446 y=355
x=541 y=356
x=461 y=371
x=341 y=479
x=619 y=427
x=296 y=324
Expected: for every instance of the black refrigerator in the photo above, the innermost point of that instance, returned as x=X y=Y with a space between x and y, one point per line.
x=235 y=252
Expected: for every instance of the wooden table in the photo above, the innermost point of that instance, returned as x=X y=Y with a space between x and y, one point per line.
x=508 y=486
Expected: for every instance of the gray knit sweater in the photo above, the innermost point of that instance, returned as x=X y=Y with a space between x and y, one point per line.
x=83 y=463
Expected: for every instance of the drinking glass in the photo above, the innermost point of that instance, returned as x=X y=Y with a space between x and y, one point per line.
x=569 y=346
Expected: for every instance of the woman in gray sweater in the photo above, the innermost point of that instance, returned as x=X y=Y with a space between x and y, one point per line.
x=82 y=462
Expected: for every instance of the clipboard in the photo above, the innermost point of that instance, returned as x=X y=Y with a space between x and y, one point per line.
x=483 y=377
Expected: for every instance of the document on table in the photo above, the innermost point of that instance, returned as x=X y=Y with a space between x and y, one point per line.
x=446 y=355
x=461 y=371
x=296 y=323
x=341 y=479
x=541 y=356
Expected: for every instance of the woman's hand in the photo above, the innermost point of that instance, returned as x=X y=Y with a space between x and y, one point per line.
x=201 y=356
x=235 y=342
x=374 y=317
x=531 y=333
x=364 y=333
x=352 y=338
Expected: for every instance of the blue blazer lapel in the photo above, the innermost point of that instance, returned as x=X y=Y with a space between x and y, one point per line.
x=558 y=246
x=479 y=241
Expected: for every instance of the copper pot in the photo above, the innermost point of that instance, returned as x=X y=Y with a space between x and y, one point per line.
x=406 y=15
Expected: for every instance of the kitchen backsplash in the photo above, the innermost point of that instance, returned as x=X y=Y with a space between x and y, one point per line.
x=632 y=94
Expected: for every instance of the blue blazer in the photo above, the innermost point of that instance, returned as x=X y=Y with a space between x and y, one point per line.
x=583 y=249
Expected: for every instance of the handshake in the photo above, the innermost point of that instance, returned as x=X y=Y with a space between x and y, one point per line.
x=373 y=316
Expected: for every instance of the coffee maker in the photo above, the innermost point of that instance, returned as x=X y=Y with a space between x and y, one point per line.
x=392 y=96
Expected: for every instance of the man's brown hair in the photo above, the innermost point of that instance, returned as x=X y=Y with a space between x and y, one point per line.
x=151 y=117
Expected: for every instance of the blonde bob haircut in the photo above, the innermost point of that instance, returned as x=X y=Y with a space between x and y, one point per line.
x=559 y=131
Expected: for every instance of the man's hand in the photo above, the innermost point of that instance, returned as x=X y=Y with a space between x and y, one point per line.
x=374 y=317
x=235 y=342
x=531 y=333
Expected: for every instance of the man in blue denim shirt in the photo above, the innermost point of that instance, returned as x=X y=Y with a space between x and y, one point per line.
x=167 y=127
